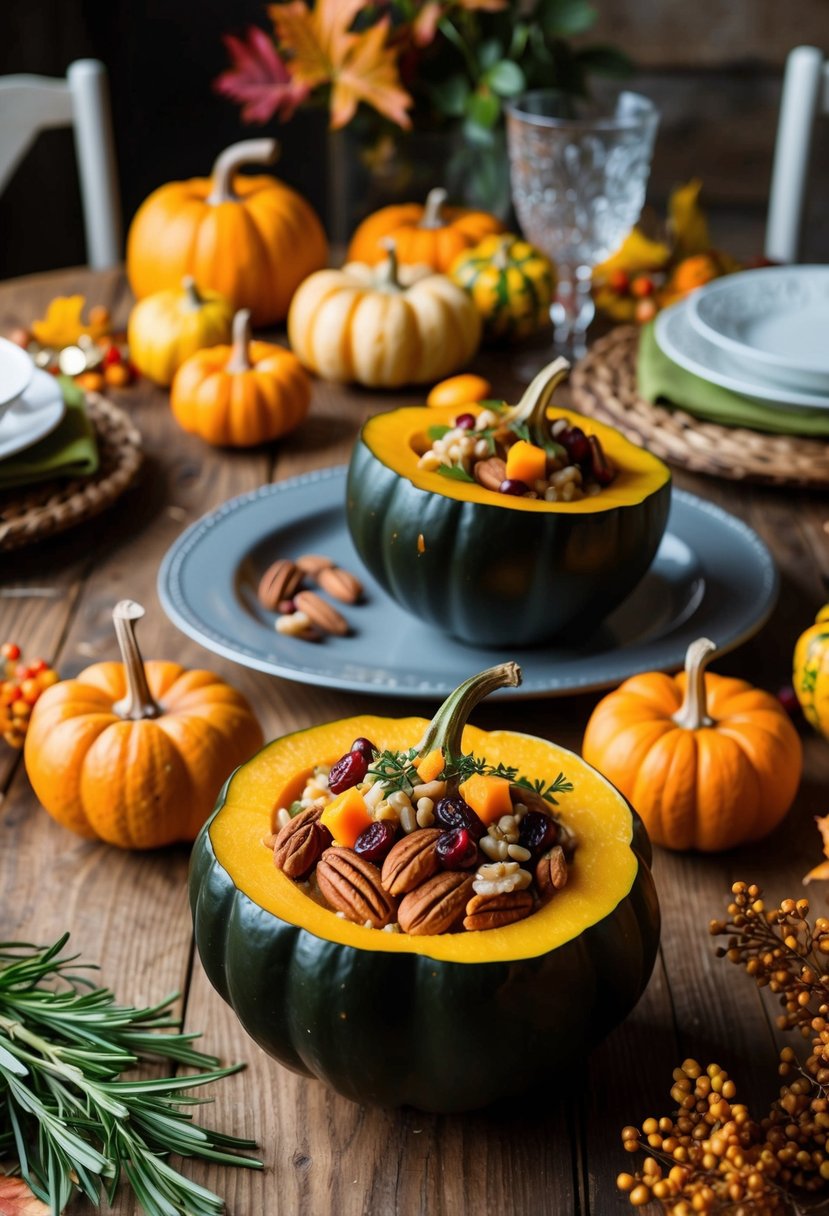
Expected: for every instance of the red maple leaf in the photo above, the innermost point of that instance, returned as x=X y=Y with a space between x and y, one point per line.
x=259 y=80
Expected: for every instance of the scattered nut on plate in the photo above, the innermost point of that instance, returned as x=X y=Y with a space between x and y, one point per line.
x=302 y=613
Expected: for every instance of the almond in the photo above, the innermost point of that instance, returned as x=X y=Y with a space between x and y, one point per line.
x=490 y=472
x=341 y=584
x=279 y=582
x=493 y=911
x=437 y=905
x=321 y=613
x=551 y=873
x=410 y=861
x=300 y=844
x=312 y=563
x=351 y=885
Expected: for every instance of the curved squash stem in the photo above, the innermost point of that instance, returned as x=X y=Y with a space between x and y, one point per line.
x=533 y=406
x=194 y=300
x=239 y=360
x=248 y=151
x=432 y=212
x=446 y=728
x=387 y=277
x=693 y=712
x=500 y=259
x=138 y=703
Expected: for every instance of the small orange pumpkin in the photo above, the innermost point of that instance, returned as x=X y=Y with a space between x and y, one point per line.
x=135 y=753
x=424 y=235
x=708 y=762
x=240 y=395
x=251 y=239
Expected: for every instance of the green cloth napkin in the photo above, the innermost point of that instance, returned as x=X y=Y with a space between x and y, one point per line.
x=660 y=379
x=69 y=450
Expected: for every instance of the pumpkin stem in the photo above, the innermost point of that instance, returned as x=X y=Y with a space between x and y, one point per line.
x=387 y=277
x=446 y=728
x=138 y=703
x=500 y=259
x=239 y=360
x=190 y=289
x=693 y=712
x=432 y=211
x=258 y=151
x=533 y=406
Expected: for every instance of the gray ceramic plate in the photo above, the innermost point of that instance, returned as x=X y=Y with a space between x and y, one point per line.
x=712 y=576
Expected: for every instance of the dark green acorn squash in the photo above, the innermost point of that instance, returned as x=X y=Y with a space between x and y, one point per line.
x=488 y=568
x=442 y=1023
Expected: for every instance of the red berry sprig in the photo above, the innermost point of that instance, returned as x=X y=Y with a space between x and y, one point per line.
x=20 y=686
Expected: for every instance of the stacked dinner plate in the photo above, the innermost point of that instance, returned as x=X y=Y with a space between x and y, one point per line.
x=31 y=403
x=761 y=333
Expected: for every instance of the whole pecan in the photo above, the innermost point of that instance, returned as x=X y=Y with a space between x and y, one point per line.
x=279 y=582
x=321 y=613
x=411 y=861
x=551 y=872
x=341 y=584
x=493 y=911
x=300 y=844
x=436 y=905
x=351 y=885
x=490 y=472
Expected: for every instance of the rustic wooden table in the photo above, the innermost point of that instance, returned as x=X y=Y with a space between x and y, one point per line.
x=128 y=911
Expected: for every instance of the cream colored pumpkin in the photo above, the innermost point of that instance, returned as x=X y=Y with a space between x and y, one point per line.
x=383 y=327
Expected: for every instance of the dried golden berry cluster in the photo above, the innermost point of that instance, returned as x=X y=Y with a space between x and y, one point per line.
x=711 y=1156
x=20 y=686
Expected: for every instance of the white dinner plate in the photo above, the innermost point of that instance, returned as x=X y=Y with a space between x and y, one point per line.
x=16 y=371
x=774 y=320
x=677 y=338
x=33 y=416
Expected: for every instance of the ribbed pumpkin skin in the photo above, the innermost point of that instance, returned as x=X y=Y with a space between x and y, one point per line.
x=169 y=326
x=240 y=409
x=491 y=576
x=708 y=789
x=436 y=247
x=254 y=251
x=811 y=672
x=138 y=785
x=511 y=284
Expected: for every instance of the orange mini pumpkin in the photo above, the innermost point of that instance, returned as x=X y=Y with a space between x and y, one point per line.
x=240 y=395
x=424 y=235
x=708 y=762
x=251 y=239
x=135 y=753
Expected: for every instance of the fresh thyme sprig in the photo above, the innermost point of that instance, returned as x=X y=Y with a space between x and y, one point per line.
x=65 y=1112
x=397 y=772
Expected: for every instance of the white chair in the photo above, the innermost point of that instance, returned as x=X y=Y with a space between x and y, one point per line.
x=805 y=97
x=29 y=104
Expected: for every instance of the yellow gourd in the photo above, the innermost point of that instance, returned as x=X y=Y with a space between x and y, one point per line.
x=167 y=327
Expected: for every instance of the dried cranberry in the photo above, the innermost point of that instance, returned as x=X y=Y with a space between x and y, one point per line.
x=575 y=441
x=600 y=467
x=453 y=812
x=538 y=832
x=465 y=421
x=375 y=841
x=349 y=770
x=513 y=486
x=457 y=850
x=365 y=747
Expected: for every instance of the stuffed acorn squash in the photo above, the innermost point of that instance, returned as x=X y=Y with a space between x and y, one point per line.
x=398 y=1015
x=498 y=555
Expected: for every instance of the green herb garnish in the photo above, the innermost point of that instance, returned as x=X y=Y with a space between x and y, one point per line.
x=65 y=1112
x=396 y=770
x=454 y=472
x=522 y=430
x=460 y=768
x=437 y=432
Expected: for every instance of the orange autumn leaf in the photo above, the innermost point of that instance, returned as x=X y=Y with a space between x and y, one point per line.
x=358 y=66
x=17 y=1200
x=62 y=325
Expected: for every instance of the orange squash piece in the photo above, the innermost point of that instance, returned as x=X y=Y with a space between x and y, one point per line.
x=430 y=767
x=526 y=462
x=346 y=817
x=488 y=796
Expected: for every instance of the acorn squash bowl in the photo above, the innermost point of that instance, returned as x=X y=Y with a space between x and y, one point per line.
x=445 y=1022
x=495 y=570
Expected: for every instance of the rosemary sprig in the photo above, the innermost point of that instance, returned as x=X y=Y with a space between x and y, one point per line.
x=73 y=1123
x=397 y=772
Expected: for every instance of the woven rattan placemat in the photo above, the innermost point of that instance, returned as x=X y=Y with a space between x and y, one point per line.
x=32 y=513
x=603 y=385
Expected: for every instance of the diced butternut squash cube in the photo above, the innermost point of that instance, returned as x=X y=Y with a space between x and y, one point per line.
x=346 y=817
x=430 y=767
x=488 y=797
x=526 y=462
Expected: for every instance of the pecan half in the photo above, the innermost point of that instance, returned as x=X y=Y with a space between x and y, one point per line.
x=490 y=473
x=339 y=583
x=411 y=861
x=437 y=905
x=351 y=885
x=551 y=872
x=320 y=613
x=312 y=563
x=279 y=582
x=493 y=911
x=300 y=844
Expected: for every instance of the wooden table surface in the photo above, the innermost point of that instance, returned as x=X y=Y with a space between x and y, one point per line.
x=129 y=912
